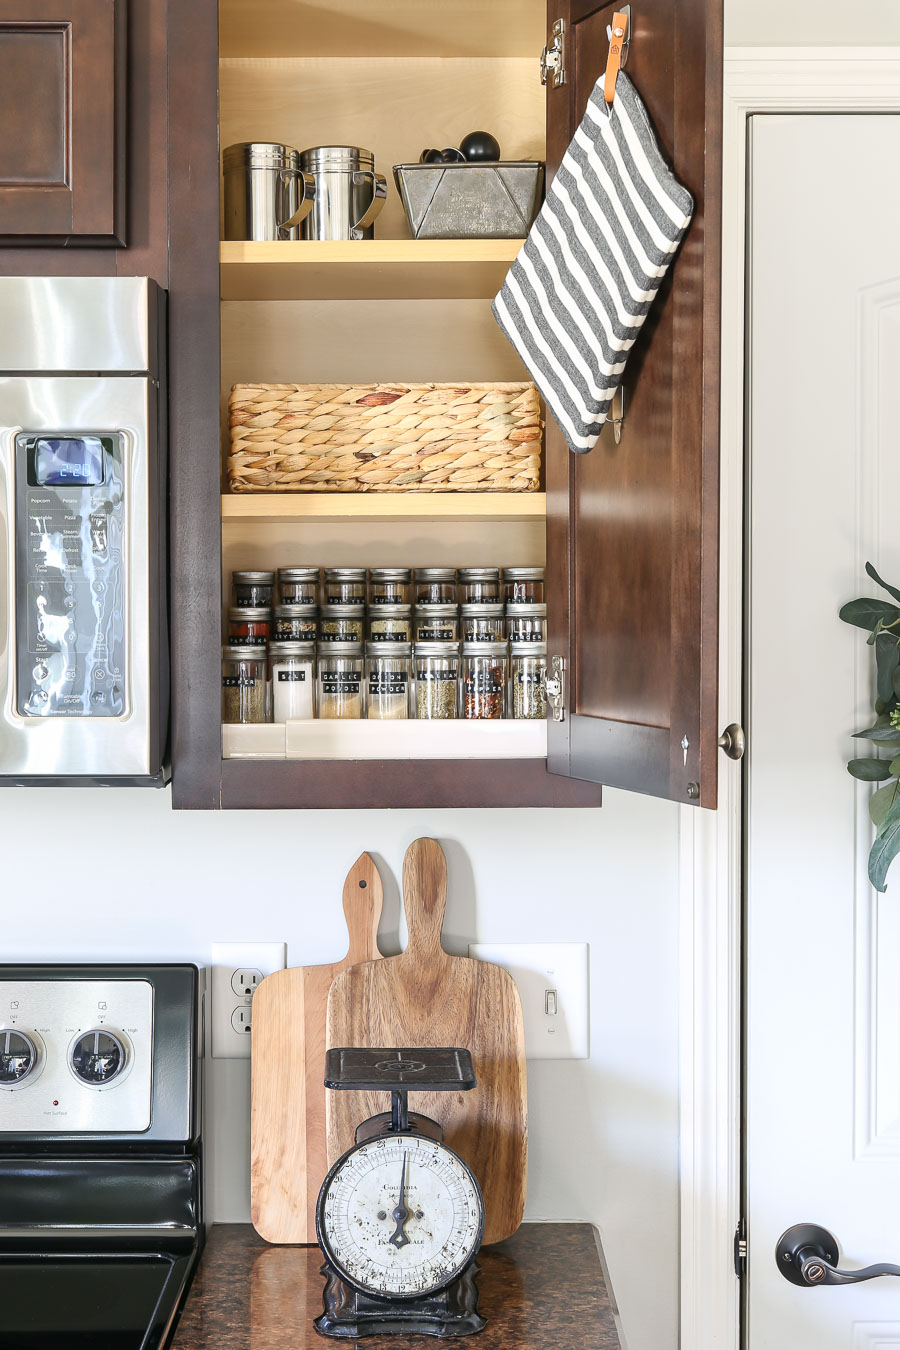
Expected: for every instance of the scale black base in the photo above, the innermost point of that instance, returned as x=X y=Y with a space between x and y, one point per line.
x=351 y=1313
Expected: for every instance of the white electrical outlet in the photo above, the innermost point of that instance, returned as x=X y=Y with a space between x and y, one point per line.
x=552 y=980
x=237 y=969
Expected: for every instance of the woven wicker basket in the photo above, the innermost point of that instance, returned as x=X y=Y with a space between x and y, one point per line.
x=384 y=438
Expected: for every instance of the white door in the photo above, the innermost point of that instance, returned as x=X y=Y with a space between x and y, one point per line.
x=823 y=949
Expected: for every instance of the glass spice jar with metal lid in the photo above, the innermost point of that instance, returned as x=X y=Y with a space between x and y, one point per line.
x=483 y=623
x=245 y=685
x=436 y=670
x=435 y=585
x=389 y=585
x=479 y=585
x=523 y=585
x=388 y=680
x=292 y=667
x=295 y=623
x=526 y=623
x=483 y=680
x=345 y=586
x=248 y=627
x=340 y=680
x=253 y=589
x=436 y=623
x=298 y=585
x=390 y=623
x=527 y=669
x=341 y=623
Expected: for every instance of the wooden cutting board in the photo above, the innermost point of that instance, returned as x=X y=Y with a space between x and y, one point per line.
x=427 y=997
x=287 y=1091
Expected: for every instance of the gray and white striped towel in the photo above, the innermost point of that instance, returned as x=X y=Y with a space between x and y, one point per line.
x=576 y=296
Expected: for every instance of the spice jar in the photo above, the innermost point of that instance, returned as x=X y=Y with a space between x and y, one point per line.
x=298 y=585
x=479 y=585
x=527 y=667
x=526 y=623
x=483 y=693
x=435 y=585
x=342 y=623
x=436 y=666
x=245 y=686
x=390 y=623
x=388 y=585
x=341 y=688
x=523 y=585
x=255 y=589
x=483 y=623
x=345 y=585
x=436 y=623
x=388 y=680
x=295 y=623
x=293 y=670
x=249 y=627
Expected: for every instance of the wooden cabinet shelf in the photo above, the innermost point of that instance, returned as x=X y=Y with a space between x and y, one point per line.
x=383 y=506
x=368 y=269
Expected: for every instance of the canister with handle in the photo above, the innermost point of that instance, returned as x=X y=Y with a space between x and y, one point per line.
x=266 y=193
x=349 y=193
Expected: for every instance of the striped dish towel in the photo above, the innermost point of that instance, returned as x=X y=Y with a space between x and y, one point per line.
x=576 y=296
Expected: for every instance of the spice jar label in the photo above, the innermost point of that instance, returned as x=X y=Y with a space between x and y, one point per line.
x=291 y=676
x=339 y=684
x=427 y=634
x=238 y=681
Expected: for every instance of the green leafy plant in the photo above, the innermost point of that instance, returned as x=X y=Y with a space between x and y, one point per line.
x=881 y=619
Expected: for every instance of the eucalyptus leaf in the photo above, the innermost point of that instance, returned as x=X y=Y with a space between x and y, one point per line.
x=896 y=683
x=887 y=659
x=885 y=848
x=865 y=612
x=869 y=770
x=883 y=735
x=894 y=765
x=892 y=590
x=881 y=802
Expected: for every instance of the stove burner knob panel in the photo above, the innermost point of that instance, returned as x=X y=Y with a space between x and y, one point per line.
x=100 y=1057
x=20 y=1058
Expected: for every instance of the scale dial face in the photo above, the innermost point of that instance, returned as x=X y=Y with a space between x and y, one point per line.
x=400 y=1216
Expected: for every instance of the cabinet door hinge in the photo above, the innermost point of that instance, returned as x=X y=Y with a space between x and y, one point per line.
x=740 y=1249
x=554 y=681
x=553 y=57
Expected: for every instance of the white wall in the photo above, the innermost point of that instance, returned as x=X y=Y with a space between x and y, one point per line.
x=813 y=23
x=164 y=885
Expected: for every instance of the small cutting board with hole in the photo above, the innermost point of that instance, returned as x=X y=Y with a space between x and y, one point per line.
x=426 y=997
x=287 y=1093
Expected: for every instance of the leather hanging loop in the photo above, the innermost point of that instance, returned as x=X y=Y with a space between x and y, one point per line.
x=618 y=36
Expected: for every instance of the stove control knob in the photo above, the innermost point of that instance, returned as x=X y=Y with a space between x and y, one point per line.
x=98 y=1057
x=19 y=1057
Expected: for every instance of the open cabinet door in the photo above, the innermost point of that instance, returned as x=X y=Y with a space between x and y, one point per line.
x=632 y=530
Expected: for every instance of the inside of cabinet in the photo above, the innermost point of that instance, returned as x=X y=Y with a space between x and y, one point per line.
x=394 y=76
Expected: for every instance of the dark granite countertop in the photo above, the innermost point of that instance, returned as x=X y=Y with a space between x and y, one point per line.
x=543 y=1289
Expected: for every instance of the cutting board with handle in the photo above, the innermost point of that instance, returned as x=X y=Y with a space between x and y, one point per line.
x=425 y=997
x=287 y=1092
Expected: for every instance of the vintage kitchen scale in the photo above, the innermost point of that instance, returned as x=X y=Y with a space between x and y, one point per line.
x=400 y=1216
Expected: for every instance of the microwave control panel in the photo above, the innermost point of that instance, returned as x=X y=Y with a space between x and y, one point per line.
x=71 y=591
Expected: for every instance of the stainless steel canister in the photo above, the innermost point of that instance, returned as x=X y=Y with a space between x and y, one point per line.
x=349 y=193
x=266 y=193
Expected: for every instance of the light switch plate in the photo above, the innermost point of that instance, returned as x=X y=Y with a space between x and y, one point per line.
x=236 y=968
x=542 y=970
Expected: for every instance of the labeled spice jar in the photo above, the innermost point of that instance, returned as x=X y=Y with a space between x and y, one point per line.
x=483 y=684
x=293 y=670
x=340 y=681
x=390 y=623
x=523 y=585
x=342 y=623
x=527 y=668
x=526 y=623
x=483 y=623
x=295 y=623
x=254 y=589
x=245 y=685
x=479 y=585
x=435 y=585
x=388 y=680
x=298 y=585
x=436 y=623
x=388 y=585
x=249 y=627
x=436 y=668
x=345 y=585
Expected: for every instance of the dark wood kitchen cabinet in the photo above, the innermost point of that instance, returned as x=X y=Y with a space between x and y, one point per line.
x=629 y=532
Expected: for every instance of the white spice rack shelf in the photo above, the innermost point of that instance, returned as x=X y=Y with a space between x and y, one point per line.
x=348 y=740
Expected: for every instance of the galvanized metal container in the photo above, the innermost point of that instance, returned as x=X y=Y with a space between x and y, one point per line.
x=471 y=201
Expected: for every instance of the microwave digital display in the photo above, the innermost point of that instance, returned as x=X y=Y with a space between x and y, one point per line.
x=76 y=461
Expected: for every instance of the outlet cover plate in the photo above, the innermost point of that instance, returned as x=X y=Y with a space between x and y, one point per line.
x=539 y=968
x=227 y=957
